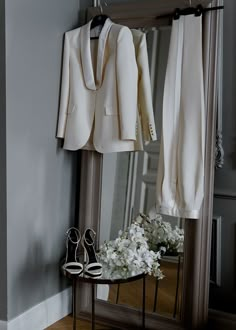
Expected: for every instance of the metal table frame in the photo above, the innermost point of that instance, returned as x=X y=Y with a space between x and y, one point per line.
x=179 y=258
x=96 y=281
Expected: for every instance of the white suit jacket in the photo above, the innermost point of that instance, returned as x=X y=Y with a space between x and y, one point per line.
x=99 y=92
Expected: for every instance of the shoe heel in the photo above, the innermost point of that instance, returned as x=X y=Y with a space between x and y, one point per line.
x=72 y=264
x=85 y=256
x=92 y=268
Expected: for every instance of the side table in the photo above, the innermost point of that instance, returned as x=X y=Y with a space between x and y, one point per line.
x=101 y=280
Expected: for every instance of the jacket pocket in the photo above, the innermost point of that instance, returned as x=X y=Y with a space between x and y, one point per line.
x=110 y=110
x=71 y=109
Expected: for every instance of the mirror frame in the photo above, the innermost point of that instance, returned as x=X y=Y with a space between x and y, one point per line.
x=197 y=247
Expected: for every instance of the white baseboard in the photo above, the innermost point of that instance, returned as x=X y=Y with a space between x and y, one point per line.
x=42 y=315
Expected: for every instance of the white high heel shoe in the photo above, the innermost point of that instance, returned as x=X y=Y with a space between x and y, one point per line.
x=72 y=264
x=92 y=268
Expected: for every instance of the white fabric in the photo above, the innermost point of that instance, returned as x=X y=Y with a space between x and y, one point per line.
x=99 y=91
x=145 y=106
x=180 y=179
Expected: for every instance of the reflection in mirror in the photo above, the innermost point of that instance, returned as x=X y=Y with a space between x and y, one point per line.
x=128 y=189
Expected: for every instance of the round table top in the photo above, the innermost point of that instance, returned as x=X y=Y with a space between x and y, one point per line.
x=101 y=280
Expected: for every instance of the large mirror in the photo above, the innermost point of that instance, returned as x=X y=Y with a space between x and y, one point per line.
x=115 y=188
x=128 y=189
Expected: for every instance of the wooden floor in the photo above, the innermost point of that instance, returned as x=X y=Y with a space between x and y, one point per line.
x=130 y=294
x=67 y=324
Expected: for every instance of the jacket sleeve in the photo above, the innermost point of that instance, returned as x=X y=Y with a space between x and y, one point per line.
x=64 y=90
x=145 y=93
x=127 y=81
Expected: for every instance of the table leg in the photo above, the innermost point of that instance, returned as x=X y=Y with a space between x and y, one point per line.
x=144 y=300
x=93 y=306
x=117 y=293
x=74 y=303
x=155 y=297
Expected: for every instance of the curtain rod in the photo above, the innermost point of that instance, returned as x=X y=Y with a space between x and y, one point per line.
x=189 y=11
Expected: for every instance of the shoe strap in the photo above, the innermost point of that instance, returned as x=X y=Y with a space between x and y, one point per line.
x=93 y=264
x=77 y=233
x=92 y=237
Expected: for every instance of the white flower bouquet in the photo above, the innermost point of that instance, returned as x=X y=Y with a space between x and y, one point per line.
x=160 y=235
x=139 y=248
x=129 y=255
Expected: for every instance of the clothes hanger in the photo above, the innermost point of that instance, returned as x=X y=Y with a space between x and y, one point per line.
x=197 y=11
x=98 y=20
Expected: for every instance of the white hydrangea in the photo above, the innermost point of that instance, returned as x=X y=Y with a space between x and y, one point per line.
x=139 y=248
x=160 y=234
x=129 y=255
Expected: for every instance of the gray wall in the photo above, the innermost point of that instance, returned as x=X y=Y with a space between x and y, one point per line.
x=224 y=297
x=37 y=193
x=3 y=259
x=41 y=176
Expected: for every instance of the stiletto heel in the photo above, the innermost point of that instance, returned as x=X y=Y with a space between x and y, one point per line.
x=92 y=268
x=85 y=256
x=72 y=264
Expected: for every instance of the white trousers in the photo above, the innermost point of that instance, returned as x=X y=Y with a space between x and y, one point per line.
x=180 y=178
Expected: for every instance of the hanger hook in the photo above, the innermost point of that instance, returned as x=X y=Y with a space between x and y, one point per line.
x=100 y=5
x=104 y=3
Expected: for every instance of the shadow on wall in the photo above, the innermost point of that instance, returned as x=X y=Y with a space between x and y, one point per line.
x=35 y=267
x=38 y=271
x=74 y=158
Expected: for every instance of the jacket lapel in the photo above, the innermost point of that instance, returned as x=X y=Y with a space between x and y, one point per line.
x=86 y=56
x=91 y=77
x=101 y=50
